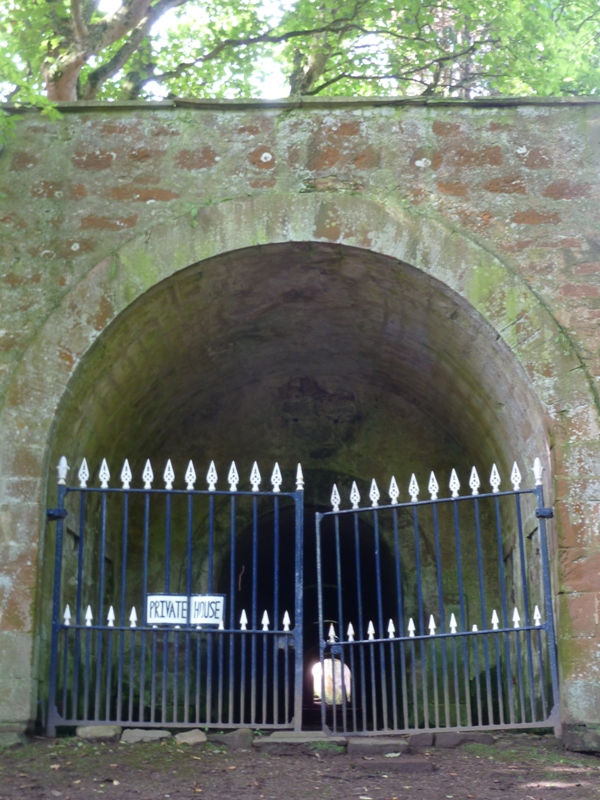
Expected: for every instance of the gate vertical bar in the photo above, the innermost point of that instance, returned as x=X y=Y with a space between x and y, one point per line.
x=382 y=659
x=123 y=613
x=275 y=608
x=486 y=655
x=78 y=600
x=542 y=514
x=318 y=518
x=400 y=604
x=58 y=515
x=100 y=616
x=523 y=563
x=298 y=611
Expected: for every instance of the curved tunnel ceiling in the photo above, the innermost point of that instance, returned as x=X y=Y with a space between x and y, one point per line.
x=337 y=357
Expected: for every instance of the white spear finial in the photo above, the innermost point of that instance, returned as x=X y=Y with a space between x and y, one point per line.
x=243 y=621
x=286 y=621
x=104 y=474
x=374 y=494
x=475 y=628
x=538 y=472
x=169 y=475
x=221 y=626
x=83 y=475
x=212 y=477
x=394 y=491
x=299 y=479
x=62 y=468
x=515 y=477
x=537 y=617
x=255 y=477
x=433 y=487
x=265 y=621
x=413 y=489
x=335 y=498
x=453 y=624
x=276 y=478
x=354 y=495
x=495 y=620
x=110 y=617
x=67 y=615
x=88 y=617
x=233 y=478
x=133 y=617
x=331 y=636
x=454 y=483
x=495 y=479
x=350 y=632
x=371 y=631
x=474 y=481
x=431 y=625
x=190 y=477
x=411 y=628
x=126 y=475
x=516 y=619
x=391 y=629
x=148 y=475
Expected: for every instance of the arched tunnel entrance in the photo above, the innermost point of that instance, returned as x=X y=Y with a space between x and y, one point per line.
x=350 y=362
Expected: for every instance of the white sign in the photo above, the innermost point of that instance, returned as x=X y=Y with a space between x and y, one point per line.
x=207 y=609
x=173 y=609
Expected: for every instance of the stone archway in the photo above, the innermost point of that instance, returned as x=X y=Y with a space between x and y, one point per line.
x=498 y=317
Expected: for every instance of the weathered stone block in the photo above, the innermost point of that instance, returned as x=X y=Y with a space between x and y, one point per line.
x=582 y=738
x=370 y=746
x=10 y=739
x=579 y=614
x=449 y=739
x=290 y=743
x=98 y=732
x=195 y=736
x=134 y=735
x=419 y=741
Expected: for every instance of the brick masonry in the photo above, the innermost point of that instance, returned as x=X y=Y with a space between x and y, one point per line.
x=498 y=203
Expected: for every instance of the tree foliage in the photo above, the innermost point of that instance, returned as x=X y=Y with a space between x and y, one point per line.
x=73 y=50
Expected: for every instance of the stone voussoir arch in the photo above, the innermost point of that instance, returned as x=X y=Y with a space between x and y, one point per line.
x=482 y=279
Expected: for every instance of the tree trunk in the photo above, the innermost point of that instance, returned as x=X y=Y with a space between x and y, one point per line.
x=62 y=78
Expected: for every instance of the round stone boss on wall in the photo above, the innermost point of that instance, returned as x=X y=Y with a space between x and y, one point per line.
x=358 y=339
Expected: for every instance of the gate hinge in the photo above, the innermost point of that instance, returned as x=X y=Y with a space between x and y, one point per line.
x=53 y=514
x=544 y=513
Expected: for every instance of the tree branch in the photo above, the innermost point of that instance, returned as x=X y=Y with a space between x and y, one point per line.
x=120 y=23
x=410 y=74
x=105 y=71
x=79 y=26
x=263 y=38
x=100 y=75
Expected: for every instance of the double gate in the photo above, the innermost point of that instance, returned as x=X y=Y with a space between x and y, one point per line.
x=184 y=607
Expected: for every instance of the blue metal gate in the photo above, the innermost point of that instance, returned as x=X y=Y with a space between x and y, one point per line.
x=163 y=612
x=436 y=614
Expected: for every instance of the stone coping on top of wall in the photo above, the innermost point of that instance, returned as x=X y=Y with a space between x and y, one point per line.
x=308 y=102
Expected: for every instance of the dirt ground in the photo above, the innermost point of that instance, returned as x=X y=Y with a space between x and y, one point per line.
x=517 y=767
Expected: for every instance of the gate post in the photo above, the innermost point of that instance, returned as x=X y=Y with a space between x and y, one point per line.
x=299 y=593
x=542 y=513
x=56 y=515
